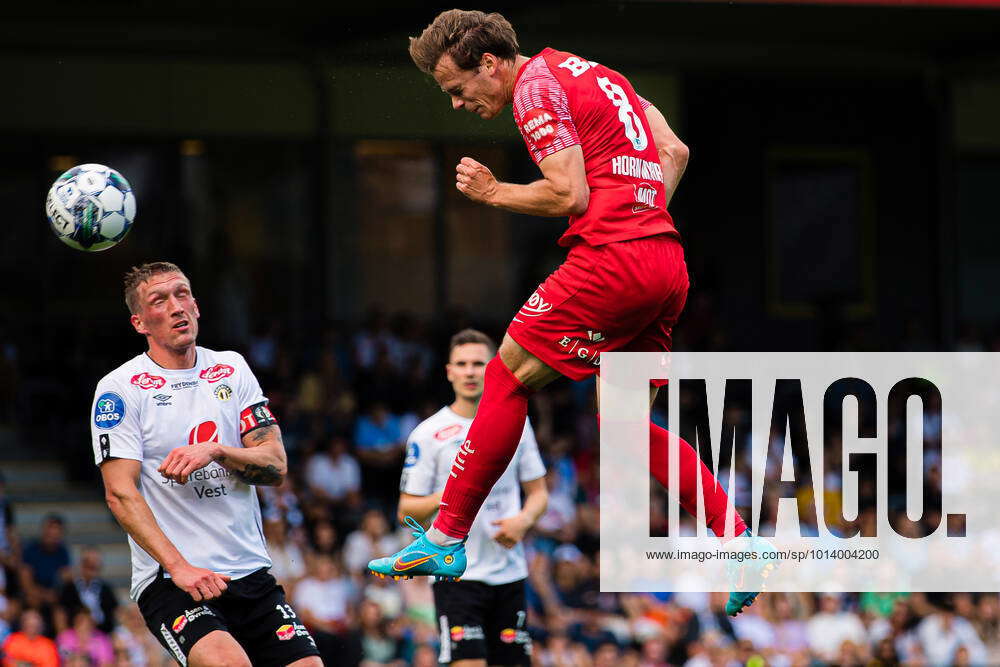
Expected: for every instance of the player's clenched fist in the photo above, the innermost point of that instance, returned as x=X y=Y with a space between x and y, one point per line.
x=475 y=180
x=183 y=461
x=199 y=583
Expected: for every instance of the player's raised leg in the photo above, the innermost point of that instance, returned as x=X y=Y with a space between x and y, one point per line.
x=511 y=377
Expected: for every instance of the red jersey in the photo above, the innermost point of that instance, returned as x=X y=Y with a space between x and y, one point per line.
x=561 y=100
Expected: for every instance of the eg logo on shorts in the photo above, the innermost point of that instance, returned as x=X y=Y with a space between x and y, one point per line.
x=109 y=410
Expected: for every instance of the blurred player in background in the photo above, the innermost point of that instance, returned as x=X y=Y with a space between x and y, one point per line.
x=482 y=617
x=611 y=163
x=182 y=434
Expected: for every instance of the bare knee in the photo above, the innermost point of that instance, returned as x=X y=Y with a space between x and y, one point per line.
x=526 y=367
x=218 y=649
x=312 y=661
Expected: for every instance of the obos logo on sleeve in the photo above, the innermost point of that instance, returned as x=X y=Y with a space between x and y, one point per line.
x=109 y=410
x=412 y=454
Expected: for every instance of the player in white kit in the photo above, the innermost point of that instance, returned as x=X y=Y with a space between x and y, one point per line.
x=482 y=617
x=182 y=434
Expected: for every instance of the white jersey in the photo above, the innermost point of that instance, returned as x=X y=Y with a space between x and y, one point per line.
x=430 y=451
x=143 y=411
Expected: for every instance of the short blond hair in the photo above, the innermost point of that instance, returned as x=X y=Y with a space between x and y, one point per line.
x=140 y=274
x=465 y=36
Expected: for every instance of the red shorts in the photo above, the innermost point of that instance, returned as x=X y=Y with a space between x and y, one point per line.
x=620 y=297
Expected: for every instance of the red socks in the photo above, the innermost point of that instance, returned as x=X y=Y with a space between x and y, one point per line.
x=496 y=432
x=716 y=499
x=488 y=449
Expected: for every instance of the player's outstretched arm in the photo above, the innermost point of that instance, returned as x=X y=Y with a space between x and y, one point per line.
x=121 y=491
x=673 y=153
x=536 y=500
x=562 y=192
x=420 y=508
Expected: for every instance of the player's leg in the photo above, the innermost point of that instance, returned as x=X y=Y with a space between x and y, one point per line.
x=656 y=337
x=508 y=643
x=263 y=621
x=690 y=465
x=560 y=330
x=217 y=649
x=314 y=661
x=511 y=377
x=181 y=625
x=461 y=607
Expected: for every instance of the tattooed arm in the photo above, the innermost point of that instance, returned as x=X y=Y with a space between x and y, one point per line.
x=261 y=460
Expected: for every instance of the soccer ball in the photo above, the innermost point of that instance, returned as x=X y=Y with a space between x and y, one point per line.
x=90 y=207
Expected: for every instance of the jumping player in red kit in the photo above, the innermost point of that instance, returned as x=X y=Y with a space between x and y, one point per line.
x=611 y=163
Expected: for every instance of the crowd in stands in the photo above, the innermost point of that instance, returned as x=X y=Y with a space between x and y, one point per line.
x=346 y=408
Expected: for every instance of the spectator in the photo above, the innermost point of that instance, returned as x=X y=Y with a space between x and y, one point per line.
x=378 y=434
x=831 y=627
x=388 y=595
x=8 y=537
x=379 y=647
x=379 y=437
x=324 y=539
x=589 y=633
x=29 y=646
x=607 y=654
x=790 y=632
x=323 y=600
x=425 y=656
x=558 y=650
x=944 y=633
x=288 y=563
x=753 y=625
x=46 y=563
x=87 y=589
x=334 y=476
x=134 y=645
x=372 y=540
x=86 y=641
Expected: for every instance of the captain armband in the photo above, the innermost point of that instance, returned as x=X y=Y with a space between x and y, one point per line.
x=256 y=416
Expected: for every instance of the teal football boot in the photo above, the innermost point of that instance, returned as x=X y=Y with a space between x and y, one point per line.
x=422 y=558
x=749 y=574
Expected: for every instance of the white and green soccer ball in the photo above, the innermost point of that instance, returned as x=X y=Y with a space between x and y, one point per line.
x=90 y=207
